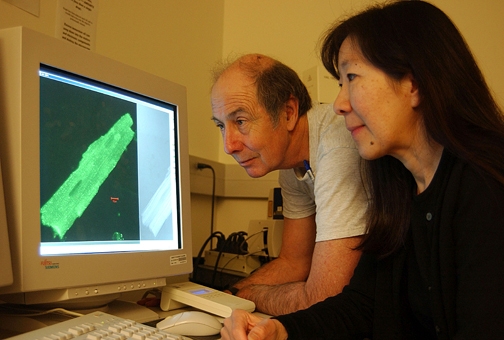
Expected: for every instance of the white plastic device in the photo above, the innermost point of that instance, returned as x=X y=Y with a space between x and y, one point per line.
x=204 y=298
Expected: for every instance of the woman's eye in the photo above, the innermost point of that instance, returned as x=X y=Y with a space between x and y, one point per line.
x=351 y=76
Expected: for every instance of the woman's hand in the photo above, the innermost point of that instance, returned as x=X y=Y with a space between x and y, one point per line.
x=242 y=325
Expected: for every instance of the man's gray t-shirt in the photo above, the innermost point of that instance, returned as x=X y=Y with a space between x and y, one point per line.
x=336 y=195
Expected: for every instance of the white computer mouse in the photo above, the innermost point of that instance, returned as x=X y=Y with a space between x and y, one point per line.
x=191 y=323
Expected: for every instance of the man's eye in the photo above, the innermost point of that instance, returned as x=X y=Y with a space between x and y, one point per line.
x=351 y=76
x=240 y=121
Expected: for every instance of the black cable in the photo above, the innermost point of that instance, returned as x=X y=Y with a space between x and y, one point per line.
x=216 y=234
x=222 y=272
x=245 y=241
x=202 y=166
x=221 y=250
x=232 y=238
x=233 y=258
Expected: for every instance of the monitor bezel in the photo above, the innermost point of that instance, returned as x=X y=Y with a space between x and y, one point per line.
x=22 y=52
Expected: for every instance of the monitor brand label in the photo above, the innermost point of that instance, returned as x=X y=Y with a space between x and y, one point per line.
x=47 y=264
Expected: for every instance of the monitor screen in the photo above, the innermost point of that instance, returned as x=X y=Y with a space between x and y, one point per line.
x=108 y=168
x=96 y=173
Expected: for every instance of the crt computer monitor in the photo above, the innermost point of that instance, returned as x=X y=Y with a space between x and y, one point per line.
x=95 y=164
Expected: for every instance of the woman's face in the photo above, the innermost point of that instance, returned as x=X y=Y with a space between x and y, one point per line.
x=379 y=111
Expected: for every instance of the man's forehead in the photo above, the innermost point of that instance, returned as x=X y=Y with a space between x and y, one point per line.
x=233 y=79
x=233 y=87
x=230 y=104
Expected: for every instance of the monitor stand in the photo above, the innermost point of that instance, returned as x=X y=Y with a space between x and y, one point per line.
x=132 y=310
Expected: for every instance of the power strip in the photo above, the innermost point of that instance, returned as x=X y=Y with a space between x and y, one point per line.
x=228 y=261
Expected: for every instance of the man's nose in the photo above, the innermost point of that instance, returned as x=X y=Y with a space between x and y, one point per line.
x=232 y=141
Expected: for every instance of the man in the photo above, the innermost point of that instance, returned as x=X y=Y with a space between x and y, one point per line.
x=263 y=111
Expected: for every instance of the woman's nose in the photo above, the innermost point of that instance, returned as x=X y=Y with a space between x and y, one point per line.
x=341 y=104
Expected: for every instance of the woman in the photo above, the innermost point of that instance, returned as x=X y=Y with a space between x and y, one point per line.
x=432 y=136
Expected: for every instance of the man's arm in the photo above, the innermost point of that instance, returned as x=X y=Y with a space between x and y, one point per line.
x=305 y=272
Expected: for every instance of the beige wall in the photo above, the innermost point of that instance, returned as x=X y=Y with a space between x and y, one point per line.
x=181 y=40
x=290 y=30
x=177 y=40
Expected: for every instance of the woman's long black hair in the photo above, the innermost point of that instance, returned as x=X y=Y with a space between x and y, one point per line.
x=458 y=109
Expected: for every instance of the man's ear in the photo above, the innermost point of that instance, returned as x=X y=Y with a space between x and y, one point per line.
x=291 y=112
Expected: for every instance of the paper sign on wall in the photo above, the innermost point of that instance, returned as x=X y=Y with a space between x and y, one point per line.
x=77 y=21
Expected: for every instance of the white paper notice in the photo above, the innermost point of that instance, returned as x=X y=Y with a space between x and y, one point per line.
x=77 y=22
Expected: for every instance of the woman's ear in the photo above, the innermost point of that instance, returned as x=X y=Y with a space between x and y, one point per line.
x=291 y=112
x=414 y=92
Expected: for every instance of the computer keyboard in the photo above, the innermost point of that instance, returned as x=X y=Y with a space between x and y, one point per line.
x=98 y=326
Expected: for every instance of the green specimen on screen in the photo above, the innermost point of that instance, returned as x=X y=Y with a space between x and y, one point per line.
x=97 y=162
